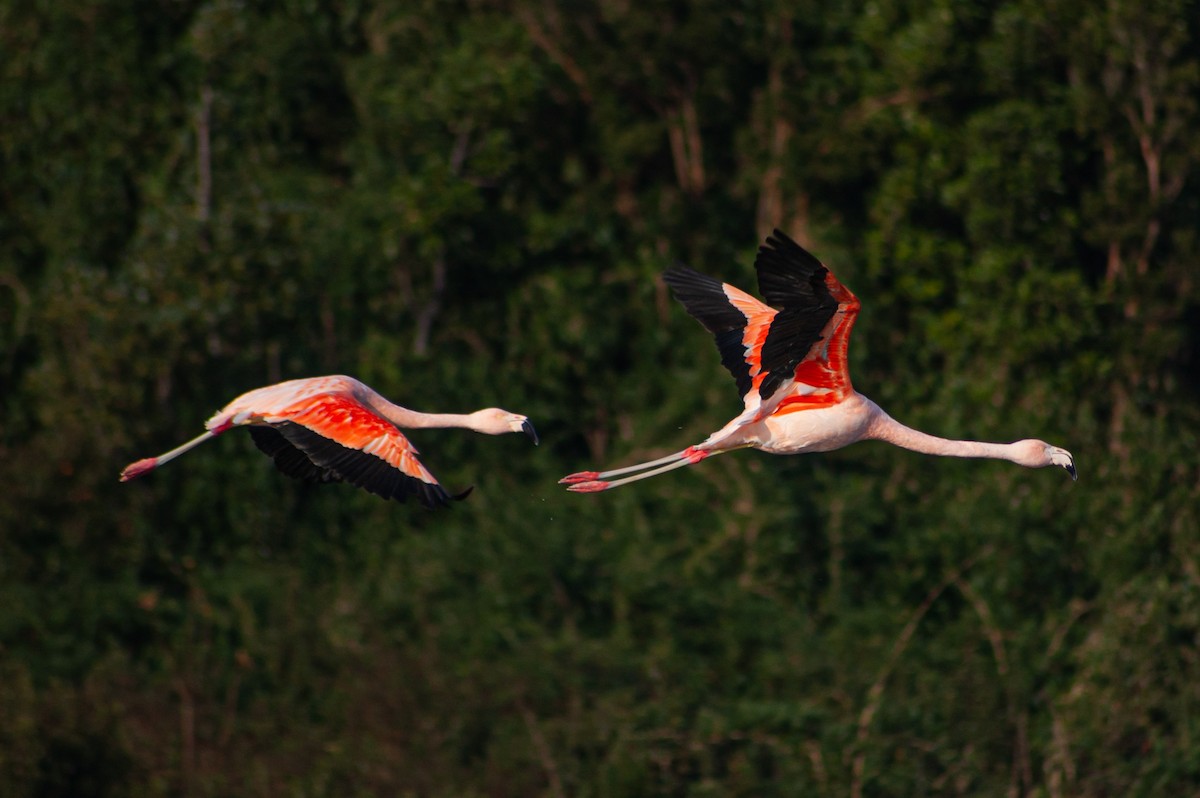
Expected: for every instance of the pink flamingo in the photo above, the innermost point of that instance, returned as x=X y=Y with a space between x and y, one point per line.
x=333 y=429
x=791 y=370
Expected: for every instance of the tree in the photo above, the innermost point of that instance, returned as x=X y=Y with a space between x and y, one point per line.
x=468 y=204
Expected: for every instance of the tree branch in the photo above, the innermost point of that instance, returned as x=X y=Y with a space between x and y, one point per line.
x=875 y=693
x=542 y=749
x=547 y=43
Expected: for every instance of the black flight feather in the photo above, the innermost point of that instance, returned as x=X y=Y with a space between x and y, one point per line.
x=362 y=469
x=705 y=300
x=288 y=458
x=793 y=281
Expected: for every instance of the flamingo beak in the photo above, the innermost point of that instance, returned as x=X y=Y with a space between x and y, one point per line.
x=528 y=429
x=1071 y=470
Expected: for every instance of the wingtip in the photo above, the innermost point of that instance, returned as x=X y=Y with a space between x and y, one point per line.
x=776 y=239
x=439 y=499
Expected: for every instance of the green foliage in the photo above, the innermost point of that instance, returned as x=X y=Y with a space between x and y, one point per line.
x=467 y=204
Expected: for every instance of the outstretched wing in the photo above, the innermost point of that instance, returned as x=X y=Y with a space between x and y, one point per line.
x=341 y=436
x=811 y=334
x=737 y=320
x=819 y=313
x=794 y=281
x=288 y=458
x=763 y=347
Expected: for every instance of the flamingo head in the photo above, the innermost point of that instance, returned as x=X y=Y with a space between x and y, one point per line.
x=494 y=421
x=1039 y=454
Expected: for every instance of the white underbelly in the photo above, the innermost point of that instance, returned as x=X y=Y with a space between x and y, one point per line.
x=820 y=429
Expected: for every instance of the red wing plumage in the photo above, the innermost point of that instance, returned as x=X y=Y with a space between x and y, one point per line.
x=757 y=319
x=822 y=378
x=343 y=439
x=789 y=353
x=322 y=429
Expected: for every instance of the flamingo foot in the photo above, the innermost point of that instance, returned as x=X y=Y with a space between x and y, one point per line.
x=589 y=486
x=135 y=470
x=582 y=476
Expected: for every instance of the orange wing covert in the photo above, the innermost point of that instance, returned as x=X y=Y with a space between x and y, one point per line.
x=826 y=368
x=358 y=445
x=758 y=324
x=790 y=349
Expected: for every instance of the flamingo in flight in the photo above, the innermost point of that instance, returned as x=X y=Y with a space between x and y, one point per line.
x=336 y=429
x=789 y=360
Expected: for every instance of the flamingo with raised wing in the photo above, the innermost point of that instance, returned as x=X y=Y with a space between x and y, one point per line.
x=788 y=358
x=336 y=429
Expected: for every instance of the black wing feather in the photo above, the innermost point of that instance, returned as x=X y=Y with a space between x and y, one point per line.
x=791 y=276
x=362 y=469
x=792 y=280
x=704 y=299
x=288 y=458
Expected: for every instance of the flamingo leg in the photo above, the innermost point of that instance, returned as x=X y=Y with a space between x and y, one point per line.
x=134 y=470
x=687 y=457
x=597 y=485
x=591 y=476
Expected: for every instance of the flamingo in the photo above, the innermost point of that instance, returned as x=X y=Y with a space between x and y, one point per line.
x=790 y=365
x=334 y=429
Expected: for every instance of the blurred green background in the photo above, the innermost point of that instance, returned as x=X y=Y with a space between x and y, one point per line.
x=468 y=204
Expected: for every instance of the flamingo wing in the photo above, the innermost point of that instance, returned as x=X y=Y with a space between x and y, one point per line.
x=737 y=320
x=760 y=345
x=811 y=335
x=288 y=458
x=795 y=281
x=344 y=439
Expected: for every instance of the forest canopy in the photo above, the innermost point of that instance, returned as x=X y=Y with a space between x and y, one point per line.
x=468 y=204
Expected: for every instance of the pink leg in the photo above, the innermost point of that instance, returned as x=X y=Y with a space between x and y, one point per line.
x=687 y=457
x=591 y=476
x=581 y=476
x=147 y=464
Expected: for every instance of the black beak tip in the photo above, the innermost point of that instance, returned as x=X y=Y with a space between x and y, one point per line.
x=528 y=429
x=1071 y=470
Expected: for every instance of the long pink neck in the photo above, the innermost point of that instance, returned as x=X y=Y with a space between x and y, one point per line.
x=438 y=420
x=886 y=428
x=411 y=419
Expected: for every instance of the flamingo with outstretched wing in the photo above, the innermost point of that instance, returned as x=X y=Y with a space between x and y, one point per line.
x=789 y=359
x=336 y=429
